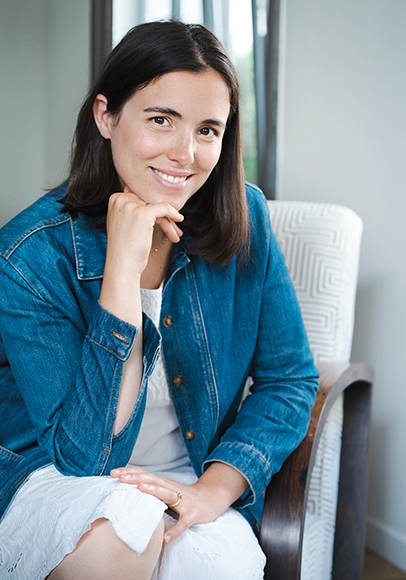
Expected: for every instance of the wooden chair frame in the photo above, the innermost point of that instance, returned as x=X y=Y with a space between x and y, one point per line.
x=286 y=496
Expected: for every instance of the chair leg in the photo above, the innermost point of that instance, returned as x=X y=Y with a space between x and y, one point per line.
x=351 y=506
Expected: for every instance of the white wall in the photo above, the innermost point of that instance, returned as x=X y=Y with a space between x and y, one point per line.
x=44 y=75
x=343 y=140
x=21 y=104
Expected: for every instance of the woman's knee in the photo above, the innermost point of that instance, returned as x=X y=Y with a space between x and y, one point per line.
x=226 y=548
x=100 y=554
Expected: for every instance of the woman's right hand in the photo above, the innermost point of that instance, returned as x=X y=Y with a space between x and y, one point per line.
x=130 y=229
x=131 y=224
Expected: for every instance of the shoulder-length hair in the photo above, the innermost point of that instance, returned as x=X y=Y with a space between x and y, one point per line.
x=216 y=216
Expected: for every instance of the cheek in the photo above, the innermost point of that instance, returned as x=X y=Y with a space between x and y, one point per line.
x=209 y=159
x=132 y=145
x=145 y=146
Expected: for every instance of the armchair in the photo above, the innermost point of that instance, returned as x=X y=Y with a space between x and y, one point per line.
x=313 y=520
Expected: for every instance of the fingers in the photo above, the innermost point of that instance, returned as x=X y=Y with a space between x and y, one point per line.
x=175 y=531
x=128 y=473
x=162 y=214
x=170 y=229
x=185 y=508
x=147 y=482
x=159 y=210
x=165 y=490
x=190 y=508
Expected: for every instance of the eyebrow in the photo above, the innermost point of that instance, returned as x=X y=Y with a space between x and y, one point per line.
x=173 y=113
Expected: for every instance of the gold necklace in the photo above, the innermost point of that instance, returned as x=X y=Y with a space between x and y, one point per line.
x=160 y=246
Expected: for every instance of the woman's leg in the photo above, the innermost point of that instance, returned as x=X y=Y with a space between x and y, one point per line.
x=224 y=549
x=100 y=554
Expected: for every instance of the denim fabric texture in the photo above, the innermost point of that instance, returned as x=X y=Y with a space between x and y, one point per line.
x=62 y=355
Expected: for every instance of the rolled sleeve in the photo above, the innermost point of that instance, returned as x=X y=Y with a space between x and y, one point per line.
x=246 y=460
x=112 y=333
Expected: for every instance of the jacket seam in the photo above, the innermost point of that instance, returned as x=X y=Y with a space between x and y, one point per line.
x=103 y=346
x=29 y=284
x=28 y=233
x=239 y=444
x=116 y=317
x=33 y=290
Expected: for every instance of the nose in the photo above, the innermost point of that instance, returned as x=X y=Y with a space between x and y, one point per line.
x=182 y=150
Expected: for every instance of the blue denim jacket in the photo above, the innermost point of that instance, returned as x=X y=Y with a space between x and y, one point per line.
x=62 y=355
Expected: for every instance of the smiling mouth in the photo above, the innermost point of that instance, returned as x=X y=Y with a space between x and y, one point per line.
x=170 y=178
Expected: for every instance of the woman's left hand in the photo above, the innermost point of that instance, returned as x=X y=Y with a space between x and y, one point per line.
x=201 y=503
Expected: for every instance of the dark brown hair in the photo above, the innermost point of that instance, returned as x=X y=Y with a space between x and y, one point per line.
x=216 y=216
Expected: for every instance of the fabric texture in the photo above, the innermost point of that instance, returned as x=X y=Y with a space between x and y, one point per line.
x=321 y=244
x=52 y=511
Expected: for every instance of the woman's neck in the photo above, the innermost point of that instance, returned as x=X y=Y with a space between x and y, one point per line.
x=158 y=262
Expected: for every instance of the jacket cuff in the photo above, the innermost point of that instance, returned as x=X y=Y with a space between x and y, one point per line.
x=112 y=333
x=247 y=461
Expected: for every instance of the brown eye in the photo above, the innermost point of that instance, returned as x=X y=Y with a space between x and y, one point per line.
x=208 y=132
x=160 y=120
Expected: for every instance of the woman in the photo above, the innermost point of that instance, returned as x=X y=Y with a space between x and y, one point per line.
x=131 y=317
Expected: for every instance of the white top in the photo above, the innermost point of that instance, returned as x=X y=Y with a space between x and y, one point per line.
x=159 y=446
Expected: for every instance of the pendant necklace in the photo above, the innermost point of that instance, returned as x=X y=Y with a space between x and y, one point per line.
x=160 y=246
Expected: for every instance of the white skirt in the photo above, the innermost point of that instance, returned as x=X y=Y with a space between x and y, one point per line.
x=51 y=512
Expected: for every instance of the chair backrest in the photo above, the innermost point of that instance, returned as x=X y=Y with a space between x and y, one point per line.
x=321 y=245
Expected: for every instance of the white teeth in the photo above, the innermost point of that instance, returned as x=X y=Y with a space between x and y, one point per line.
x=170 y=178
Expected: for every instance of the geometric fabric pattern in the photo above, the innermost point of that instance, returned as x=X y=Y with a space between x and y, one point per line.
x=318 y=537
x=321 y=244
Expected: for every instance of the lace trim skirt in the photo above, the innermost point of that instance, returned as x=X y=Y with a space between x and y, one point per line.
x=51 y=512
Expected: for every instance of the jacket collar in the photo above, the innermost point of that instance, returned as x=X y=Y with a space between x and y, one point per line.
x=90 y=244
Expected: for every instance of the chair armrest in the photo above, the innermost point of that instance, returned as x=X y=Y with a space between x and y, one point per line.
x=287 y=493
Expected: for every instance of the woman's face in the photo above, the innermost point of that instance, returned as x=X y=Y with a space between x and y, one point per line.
x=168 y=136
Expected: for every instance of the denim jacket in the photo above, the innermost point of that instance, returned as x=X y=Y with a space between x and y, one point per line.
x=62 y=355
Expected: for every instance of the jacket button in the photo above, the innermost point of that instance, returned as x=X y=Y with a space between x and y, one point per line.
x=178 y=380
x=168 y=321
x=190 y=435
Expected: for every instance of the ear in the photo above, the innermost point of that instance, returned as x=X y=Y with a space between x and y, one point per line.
x=101 y=116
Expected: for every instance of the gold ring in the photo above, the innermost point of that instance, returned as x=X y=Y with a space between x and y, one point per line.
x=178 y=502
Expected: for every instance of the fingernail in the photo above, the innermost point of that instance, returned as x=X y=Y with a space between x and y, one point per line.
x=167 y=539
x=146 y=485
x=126 y=475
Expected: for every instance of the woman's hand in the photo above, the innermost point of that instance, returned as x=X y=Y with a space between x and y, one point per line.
x=130 y=229
x=131 y=224
x=201 y=502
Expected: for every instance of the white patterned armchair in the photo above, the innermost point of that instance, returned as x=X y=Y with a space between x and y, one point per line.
x=313 y=520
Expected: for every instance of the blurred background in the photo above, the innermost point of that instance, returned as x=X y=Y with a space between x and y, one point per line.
x=324 y=119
